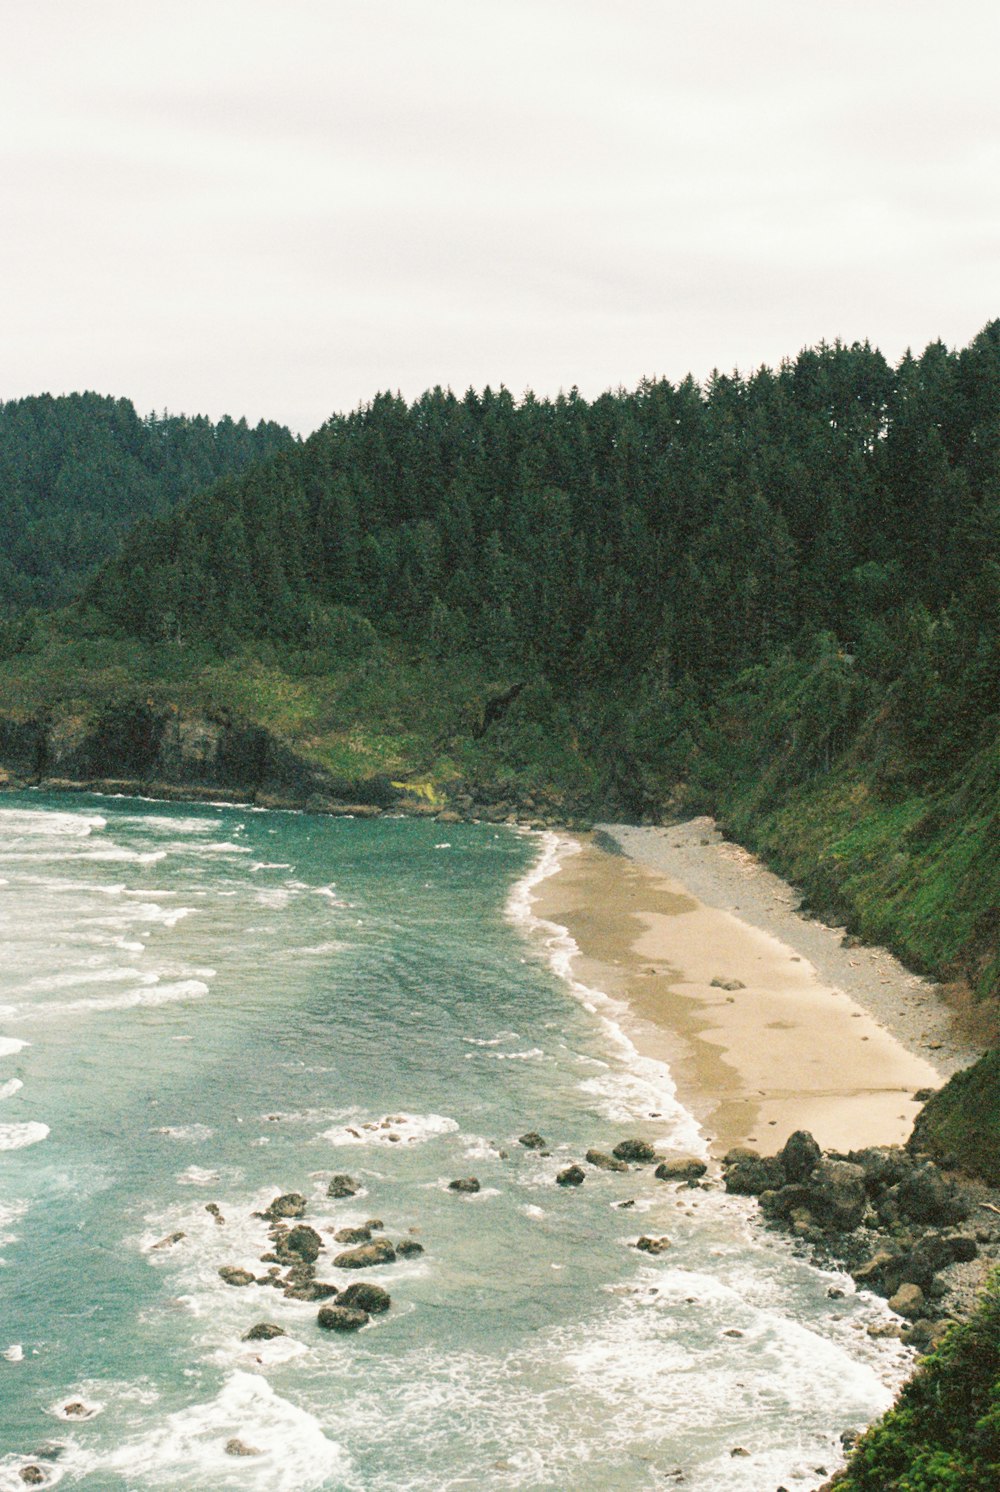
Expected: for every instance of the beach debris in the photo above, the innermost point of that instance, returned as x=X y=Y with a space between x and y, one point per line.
x=464 y=1184
x=264 y=1331
x=532 y=1140
x=605 y=1162
x=232 y=1274
x=364 y=1296
x=634 y=1150
x=652 y=1245
x=237 y=1447
x=343 y=1185
x=571 y=1176
x=379 y=1251
x=680 y=1168
x=342 y=1318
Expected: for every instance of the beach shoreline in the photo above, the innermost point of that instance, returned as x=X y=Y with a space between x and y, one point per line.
x=768 y=1020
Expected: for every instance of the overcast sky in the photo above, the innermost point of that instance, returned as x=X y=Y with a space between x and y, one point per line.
x=245 y=207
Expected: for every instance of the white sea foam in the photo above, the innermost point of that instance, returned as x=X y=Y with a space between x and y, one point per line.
x=11 y=1044
x=12 y=1086
x=533 y=1054
x=271 y=865
x=408 y=1129
x=49 y=824
x=18 y=1136
x=147 y=996
x=198 y=1176
x=195 y=1132
x=189 y=1449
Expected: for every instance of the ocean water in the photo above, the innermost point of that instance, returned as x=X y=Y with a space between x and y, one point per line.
x=211 y=1005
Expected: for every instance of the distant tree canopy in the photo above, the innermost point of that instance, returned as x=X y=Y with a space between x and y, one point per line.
x=78 y=471
x=837 y=520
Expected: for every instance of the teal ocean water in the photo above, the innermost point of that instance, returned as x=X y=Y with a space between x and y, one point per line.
x=211 y=1005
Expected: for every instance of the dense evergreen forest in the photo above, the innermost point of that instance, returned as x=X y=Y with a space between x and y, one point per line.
x=78 y=471
x=776 y=596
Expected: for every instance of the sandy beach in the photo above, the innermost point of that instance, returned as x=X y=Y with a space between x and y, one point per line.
x=767 y=1021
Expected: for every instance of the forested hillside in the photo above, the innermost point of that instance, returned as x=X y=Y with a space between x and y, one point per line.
x=776 y=597
x=78 y=471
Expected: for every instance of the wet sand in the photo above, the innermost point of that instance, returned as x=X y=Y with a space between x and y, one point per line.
x=810 y=1035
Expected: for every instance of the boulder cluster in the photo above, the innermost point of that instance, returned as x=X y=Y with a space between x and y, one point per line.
x=894 y=1217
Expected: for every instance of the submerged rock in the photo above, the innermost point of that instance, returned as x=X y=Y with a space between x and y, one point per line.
x=311 y=1290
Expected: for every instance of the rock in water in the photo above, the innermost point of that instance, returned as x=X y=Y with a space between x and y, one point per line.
x=800 y=1156
x=264 y=1331
x=635 y=1150
x=532 y=1140
x=305 y=1242
x=652 y=1245
x=364 y=1296
x=289 y=1204
x=341 y=1318
x=680 y=1168
x=464 y=1184
x=233 y=1275
x=605 y=1162
x=572 y=1176
x=379 y=1251
x=408 y=1248
x=237 y=1447
x=343 y=1186
x=353 y=1235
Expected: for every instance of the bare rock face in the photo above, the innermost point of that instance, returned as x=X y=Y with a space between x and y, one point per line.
x=908 y=1301
x=800 y=1156
x=838 y=1192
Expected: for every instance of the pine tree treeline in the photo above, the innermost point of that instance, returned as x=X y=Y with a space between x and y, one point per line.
x=80 y=470
x=828 y=533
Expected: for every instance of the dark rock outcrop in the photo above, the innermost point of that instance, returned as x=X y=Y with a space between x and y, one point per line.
x=342 y=1185
x=379 y=1251
x=634 y=1150
x=342 y=1318
x=605 y=1162
x=571 y=1176
x=364 y=1296
x=464 y=1184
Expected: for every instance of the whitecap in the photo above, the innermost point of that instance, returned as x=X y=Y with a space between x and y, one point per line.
x=408 y=1129
x=18 y=1136
x=270 y=865
x=198 y=1176
x=12 y=1086
x=11 y=1044
x=189 y=1448
x=195 y=1132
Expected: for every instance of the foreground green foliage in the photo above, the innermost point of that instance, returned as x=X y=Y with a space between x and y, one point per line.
x=943 y=1435
x=963 y=1119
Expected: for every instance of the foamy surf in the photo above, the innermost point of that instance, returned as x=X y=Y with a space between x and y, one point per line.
x=19 y=1136
x=288 y=1449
